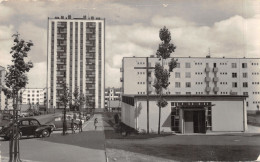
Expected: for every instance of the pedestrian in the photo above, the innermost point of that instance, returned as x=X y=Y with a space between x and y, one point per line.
x=95 y=123
x=72 y=126
x=80 y=125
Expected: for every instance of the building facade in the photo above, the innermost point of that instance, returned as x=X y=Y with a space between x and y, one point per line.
x=76 y=56
x=196 y=76
x=186 y=113
x=34 y=96
x=112 y=97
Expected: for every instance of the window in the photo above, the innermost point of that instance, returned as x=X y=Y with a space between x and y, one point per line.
x=178 y=65
x=187 y=75
x=187 y=65
x=25 y=122
x=244 y=65
x=234 y=84
x=177 y=84
x=177 y=93
x=34 y=122
x=234 y=75
x=188 y=93
x=245 y=84
x=177 y=75
x=188 y=84
x=244 y=75
x=234 y=65
x=245 y=93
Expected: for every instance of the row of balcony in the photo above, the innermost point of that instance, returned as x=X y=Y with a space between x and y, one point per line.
x=208 y=79
x=215 y=69
x=215 y=89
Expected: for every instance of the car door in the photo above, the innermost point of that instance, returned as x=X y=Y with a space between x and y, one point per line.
x=24 y=126
x=34 y=124
x=58 y=122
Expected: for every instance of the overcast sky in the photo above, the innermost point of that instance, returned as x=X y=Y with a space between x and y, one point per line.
x=229 y=28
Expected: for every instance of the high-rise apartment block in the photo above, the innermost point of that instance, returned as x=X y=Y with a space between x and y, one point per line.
x=76 y=56
x=197 y=76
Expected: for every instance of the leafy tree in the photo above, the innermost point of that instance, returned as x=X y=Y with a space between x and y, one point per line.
x=15 y=80
x=76 y=99
x=161 y=74
x=65 y=98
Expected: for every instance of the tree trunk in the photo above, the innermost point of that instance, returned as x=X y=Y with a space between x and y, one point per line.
x=159 y=122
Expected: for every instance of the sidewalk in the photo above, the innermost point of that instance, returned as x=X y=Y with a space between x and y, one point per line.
x=81 y=147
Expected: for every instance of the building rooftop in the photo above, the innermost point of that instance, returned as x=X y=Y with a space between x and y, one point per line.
x=78 y=18
x=152 y=56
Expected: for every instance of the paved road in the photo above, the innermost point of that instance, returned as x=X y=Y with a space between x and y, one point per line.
x=81 y=147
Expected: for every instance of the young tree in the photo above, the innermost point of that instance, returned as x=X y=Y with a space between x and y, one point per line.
x=161 y=74
x=65 y=98
x=15 y=80
x=76 y=99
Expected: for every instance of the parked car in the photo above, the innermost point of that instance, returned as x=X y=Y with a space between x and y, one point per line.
x=57 y=123
x=27 y=127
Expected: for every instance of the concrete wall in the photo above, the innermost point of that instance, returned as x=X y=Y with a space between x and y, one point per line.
x=128 y=115
x=228 y=116
x=154 y=117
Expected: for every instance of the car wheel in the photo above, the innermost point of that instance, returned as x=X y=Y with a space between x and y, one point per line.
x=45 y=133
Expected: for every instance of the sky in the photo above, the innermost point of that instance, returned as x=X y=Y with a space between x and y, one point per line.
x=229 y=28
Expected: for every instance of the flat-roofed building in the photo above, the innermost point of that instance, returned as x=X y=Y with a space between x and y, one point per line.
x=186 y=113
x=196 y=76
x=76 y=56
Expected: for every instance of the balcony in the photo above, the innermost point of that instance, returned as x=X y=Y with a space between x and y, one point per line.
x=207 y=79
x=216 y=89
x=149 y=79
x=215 y=79
x=208 y=89
x=215 y=69
x=207 y=69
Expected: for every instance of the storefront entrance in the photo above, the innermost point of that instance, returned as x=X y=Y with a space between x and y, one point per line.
x=194 y=121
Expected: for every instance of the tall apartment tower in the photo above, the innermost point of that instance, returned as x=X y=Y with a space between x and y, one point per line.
x=76 y=55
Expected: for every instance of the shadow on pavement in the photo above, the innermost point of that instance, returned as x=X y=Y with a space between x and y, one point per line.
x=89 y=139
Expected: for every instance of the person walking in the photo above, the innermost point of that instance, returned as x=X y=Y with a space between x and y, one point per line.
x=95 y=123
x=72 y=126
x=80 y=125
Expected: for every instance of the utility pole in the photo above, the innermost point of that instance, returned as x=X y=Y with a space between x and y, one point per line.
x=147 y=88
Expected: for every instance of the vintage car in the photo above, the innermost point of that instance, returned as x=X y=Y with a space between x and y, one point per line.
x=57 y=122
x=27 y=127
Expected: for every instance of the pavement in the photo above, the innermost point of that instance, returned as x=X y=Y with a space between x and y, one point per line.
x=81 y=147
